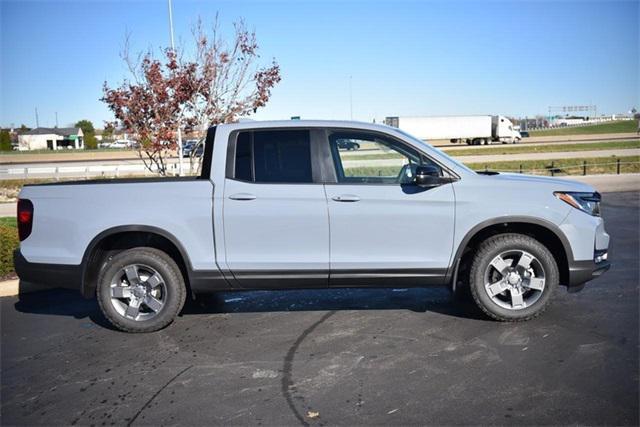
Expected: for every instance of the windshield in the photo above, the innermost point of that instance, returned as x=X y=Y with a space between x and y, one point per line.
x=425 y=144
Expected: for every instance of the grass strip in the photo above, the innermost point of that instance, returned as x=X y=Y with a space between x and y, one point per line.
x=8 y=221
x=8 y=243
x=551 y=148
x=621 y=126
x=593 y=165
x=513 y=149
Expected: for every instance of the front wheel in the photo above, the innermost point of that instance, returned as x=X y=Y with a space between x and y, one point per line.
x=141 y=290
x=513 y=277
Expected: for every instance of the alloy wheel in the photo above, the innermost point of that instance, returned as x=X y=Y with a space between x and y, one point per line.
x=514 y=279
x=138 y=292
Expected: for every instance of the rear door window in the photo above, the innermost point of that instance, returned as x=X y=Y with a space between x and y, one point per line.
x=278 y=156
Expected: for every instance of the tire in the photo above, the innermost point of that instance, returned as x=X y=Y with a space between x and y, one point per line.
x=495 y=287
x=141 y=290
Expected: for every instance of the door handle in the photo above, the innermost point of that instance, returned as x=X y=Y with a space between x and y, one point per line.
x=242 y=196
x=346 y=198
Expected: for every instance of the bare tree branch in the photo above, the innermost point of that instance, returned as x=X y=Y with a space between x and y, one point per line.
x=192 y=86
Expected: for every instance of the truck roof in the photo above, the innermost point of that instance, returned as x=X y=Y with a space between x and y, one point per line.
x=304 y=123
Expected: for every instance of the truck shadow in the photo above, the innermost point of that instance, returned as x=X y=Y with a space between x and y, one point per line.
x=435 y=299
x=61 y=302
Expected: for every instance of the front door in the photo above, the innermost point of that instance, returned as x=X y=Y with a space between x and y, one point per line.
x=276 y=224
x=385 y=230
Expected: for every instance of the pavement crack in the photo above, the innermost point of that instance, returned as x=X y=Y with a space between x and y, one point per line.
x=287 y=381
x=146 y=405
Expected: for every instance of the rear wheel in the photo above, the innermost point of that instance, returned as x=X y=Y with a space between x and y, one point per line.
x=141 y=290
x=513 y=277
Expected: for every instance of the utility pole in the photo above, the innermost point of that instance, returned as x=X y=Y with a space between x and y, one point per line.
x=37 y=121
x=173 y=48
x=56 y=119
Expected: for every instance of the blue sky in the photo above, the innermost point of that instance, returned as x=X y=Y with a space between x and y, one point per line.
x=405 y=57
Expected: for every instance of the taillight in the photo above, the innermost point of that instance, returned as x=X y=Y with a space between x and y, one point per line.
x=25 y=218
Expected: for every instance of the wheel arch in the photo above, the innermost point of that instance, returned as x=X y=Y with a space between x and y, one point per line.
x=544 y=231
x=117 y=239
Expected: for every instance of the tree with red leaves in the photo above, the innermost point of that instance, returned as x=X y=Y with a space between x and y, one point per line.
x=219 y=84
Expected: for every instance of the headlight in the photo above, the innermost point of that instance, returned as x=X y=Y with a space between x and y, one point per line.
x=586 y=202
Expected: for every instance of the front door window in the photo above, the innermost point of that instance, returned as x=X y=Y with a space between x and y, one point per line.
x=378 y=160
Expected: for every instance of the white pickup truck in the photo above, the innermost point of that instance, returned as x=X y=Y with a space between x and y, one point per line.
x=284 y=205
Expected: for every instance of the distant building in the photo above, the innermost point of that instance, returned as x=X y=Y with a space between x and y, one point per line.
x=51 y=139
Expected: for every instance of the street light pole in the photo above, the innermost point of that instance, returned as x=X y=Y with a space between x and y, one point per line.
x=173 y=48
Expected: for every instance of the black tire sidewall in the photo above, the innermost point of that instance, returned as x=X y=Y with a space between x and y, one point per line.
x=493 y=247
x=173 y=280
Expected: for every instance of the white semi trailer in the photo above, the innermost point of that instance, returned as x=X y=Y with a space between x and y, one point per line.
x=473 y=130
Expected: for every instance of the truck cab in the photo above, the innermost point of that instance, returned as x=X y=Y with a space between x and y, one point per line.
x=503 y=130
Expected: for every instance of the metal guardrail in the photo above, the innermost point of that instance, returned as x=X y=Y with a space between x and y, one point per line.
x=554 y=170
x=58 y=172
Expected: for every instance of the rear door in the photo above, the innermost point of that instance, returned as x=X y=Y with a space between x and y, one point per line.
x=276 y=223
x=385 y=230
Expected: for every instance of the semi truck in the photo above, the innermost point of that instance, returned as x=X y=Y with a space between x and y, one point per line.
x=278 y=205
x=474 y=130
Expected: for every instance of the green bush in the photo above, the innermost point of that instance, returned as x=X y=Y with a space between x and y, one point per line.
x=8 y=242
x=5 y=141
x=90 y=142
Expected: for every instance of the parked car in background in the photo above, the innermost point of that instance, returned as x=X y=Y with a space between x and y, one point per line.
x=122 y=143
x=186 y=148
x=278 y=205
x=524 y=134
x=348 y=145
x=190 y=145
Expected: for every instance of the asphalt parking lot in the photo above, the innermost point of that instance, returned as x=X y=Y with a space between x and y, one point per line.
x=383 y=356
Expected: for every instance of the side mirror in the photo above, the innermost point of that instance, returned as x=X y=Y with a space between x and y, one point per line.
x=427 y=176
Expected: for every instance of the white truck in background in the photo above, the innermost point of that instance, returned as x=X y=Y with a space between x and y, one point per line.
x=474 y=130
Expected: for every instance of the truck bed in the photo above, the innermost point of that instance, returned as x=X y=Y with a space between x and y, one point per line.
x=68 y=215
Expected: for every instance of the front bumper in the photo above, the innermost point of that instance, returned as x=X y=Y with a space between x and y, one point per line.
x=580 y=272
x=50 y=275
